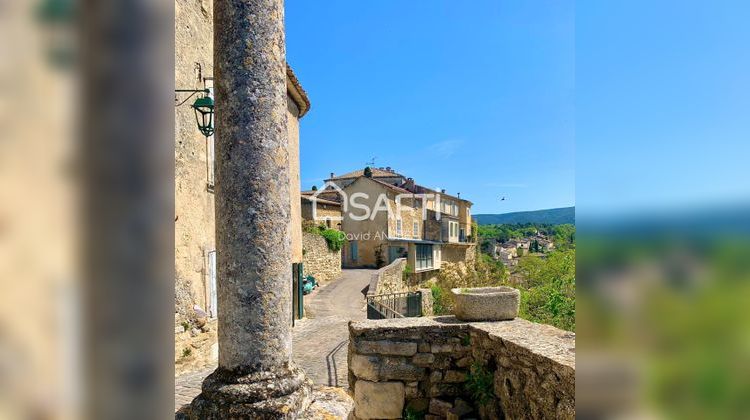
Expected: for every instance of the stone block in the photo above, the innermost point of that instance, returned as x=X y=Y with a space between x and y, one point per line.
x=439 y=407
x=436 y=376
x=383 y=368
x=457 y=413
x=419 y=405
x=411 y=392
x=423 y=359
x=378 y=400
x=365 y=367
x=441 y=348
x=445 y=390
x=464 y=362
x=394 y=348
x=424 y=347
x=454 y=376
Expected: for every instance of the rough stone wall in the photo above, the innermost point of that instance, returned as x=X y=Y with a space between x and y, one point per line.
x=194 y=203
x=458 y=253
x=425 y=364
x=195 y=347
x=389 y=279
x=319 y=261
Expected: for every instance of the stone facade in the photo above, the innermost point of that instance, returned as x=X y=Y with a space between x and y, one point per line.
x=319 y=261
x=425 y=365
x=328 y=213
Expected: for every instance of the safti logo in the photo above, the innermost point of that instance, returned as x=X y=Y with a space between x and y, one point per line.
x=364 y=208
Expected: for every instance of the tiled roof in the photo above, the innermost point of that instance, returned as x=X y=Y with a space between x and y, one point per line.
x=320 y=200
x=294 y=88
x=376 y=172
x=392 y=187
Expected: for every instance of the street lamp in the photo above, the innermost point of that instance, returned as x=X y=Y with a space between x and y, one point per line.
x=204 y=111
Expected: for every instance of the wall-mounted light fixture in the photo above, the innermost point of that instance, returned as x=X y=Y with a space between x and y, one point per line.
x=204 y=110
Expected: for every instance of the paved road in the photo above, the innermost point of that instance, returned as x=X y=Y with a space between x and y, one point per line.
x=320 y=341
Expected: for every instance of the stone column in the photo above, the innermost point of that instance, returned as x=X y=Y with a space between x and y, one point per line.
x=255 y=378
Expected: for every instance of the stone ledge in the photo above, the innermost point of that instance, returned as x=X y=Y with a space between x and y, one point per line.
x=543 y=340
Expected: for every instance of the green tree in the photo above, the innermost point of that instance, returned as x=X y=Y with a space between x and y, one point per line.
x=548 y=290
x=368 y=172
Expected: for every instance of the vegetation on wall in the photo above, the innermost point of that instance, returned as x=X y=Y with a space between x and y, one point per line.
x=335 y=239
x=480 y=384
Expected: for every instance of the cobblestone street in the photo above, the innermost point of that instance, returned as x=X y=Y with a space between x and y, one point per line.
x=320 y=340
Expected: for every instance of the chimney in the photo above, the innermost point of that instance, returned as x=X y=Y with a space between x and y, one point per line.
x=409 y=184
x=331 y=174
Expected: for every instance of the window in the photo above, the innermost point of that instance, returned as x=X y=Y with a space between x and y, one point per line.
x=353 y=250
x=424 y=257
x=416 y=229
x=212 y=303
x=398 y=228
x=328 y=222
x=452 y=229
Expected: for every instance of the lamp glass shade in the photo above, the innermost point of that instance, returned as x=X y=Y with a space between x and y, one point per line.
x=204 y=115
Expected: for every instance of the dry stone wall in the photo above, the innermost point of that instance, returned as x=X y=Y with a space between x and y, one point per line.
x=195 y=346
x=424 y=365
x=319 y=261
x=389 y=279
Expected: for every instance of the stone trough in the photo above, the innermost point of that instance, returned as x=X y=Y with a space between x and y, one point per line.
x=486 y=303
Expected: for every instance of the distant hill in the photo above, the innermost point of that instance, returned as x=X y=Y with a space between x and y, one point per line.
x=551 y=216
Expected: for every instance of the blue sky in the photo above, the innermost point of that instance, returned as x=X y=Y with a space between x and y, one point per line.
x=475 y=97
x=662 y=105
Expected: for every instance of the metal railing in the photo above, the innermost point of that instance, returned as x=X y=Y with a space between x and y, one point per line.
x=394 y=305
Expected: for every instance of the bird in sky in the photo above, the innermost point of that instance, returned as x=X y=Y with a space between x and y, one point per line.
x=502 y=199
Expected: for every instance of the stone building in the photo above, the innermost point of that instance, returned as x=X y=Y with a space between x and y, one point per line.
x=195 y=255
x=326 y=207
x=433 y=228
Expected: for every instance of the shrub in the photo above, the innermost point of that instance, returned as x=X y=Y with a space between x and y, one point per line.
x=480 y=384
x=334 y=238
x=439 y=306
x=411 y=414
x=187 y=351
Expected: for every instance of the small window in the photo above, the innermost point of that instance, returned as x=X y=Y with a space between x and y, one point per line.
x=398 y=228
x=328 y=222
x=416 y=229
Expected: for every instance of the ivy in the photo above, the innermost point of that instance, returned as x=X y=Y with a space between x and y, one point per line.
x=334 y=238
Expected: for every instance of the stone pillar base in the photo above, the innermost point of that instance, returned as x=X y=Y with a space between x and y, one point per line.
x=280 y=394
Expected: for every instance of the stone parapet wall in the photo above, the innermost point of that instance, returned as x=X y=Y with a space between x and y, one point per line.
x=425 y=365
x=319 y=261
x=389 y=279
